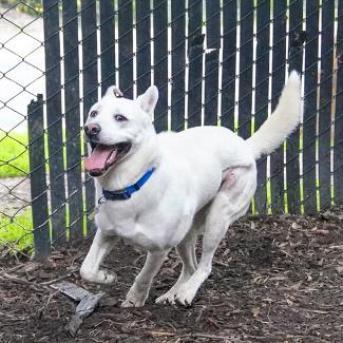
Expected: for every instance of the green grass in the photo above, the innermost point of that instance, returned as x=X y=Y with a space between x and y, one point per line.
x=17 y=232
x=14 y=159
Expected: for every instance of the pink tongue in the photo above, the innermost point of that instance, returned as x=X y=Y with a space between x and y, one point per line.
x=98 y=158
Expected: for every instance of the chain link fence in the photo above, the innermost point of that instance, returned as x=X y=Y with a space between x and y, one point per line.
x=218 y=62
x=21 y=78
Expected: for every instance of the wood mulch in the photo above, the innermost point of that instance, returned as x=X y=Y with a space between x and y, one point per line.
x=275 y=279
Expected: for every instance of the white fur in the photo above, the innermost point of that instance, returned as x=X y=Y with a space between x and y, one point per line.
x=282 y=122
x=204 y=180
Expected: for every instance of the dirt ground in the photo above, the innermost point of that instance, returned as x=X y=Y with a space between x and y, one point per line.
x=275 y=279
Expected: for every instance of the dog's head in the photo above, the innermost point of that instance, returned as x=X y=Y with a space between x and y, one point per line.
x=116 y=126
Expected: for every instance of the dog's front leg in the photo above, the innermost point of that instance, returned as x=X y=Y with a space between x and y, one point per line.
x=139 y=291
x=90 y=269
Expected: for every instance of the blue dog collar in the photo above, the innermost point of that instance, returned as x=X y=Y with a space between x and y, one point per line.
x=126 y=193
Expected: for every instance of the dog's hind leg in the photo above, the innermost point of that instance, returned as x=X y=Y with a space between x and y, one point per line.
x=101 y=246
x=231 y=202
x=139 y=291
x=186 y=251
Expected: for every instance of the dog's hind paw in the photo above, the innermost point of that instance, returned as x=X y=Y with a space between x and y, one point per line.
x=185 y=296
x=134 y=298
x=167 y=298
x=132 y=303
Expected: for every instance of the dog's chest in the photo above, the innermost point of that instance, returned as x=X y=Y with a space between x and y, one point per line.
x=143 y=230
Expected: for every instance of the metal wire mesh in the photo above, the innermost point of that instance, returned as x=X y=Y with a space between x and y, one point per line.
x=21 y=78
x=218 y=62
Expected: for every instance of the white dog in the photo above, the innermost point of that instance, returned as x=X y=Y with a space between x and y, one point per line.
x=162 y=191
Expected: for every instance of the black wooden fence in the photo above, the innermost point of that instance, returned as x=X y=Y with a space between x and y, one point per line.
x=215 y=62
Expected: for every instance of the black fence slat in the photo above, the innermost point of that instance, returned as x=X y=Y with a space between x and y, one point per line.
x=310 y=105
x=40 y=215
x=261 y=96
x=338 y=152
x=160 y=13
x=295 y=52
x=54 y=115
x=90 y=76
x=211 y=61
x=278 y=80
x=72 y=117
x=245 y=62
x=125 y=25
x=178 y=27
x=143 y=46
x=328 y=8
x=229 y=63
x=195 y=51
x=211 y=87
x=107 y=44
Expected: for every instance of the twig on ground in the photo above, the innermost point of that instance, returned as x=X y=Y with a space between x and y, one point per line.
x=50 y=282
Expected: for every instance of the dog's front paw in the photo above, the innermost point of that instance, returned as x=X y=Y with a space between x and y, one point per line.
x=101 y=276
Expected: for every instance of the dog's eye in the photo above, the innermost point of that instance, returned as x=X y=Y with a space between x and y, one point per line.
x=119 y=117
x=93 y=114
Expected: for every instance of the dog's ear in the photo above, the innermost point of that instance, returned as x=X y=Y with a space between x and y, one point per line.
x=114 y=90
x=147 y=101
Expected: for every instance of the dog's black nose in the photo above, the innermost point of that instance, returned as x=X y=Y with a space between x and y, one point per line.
x=92 y=130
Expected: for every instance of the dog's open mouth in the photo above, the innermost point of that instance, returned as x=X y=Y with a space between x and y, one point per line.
x=103 y=157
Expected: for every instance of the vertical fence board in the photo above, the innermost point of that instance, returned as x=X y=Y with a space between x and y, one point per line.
x=338 y=156
x=211 y=61
x=229 y=63
x=160 y=13
x=295 y=62
x=125 y=47
x=143 y=46
x=195 y=50
x=53 y=107
x=107 y=45
x=325 y=102
x=245 y=68
x=310 y=106
x=72 y=115
x=178 y=64
x=211 y=87
x=278 y=79
x=90 y=77
x=261 y=96
x=39 y=196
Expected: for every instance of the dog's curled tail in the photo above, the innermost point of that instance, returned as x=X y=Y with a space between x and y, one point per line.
x=282 y=122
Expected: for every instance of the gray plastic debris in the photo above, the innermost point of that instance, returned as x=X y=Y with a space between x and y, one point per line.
x=87 y=303
x=71 y=290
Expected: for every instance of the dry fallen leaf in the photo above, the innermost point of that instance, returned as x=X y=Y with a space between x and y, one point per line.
x=255 y=311
x=295 y=226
